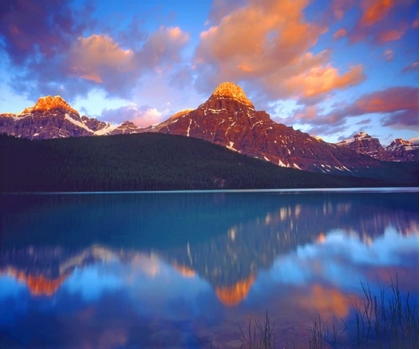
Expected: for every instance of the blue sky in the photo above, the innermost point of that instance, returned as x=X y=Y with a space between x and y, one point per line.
x=329 y=68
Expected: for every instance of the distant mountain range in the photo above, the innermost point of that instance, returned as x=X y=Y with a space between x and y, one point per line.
x=398 y=150
x=228 y=118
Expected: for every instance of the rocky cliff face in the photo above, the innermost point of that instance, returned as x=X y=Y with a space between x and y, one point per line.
x=228 y=118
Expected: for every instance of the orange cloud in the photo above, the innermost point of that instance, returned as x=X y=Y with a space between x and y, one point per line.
x=374 y=11
x=261 y=36
x=89 y=56
x=319 y=80
x=327 y=301
x=268 y=42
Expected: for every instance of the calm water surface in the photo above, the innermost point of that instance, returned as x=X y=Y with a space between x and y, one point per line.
x=189 y=270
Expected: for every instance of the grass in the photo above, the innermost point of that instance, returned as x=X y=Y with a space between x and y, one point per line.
x=388 y=320
x=385 y=321
x=259 y=335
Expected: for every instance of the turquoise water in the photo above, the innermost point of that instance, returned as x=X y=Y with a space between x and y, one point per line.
x=190 y=269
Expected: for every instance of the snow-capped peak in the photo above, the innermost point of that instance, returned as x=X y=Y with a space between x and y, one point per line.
x=357 y=136
x=399 y=143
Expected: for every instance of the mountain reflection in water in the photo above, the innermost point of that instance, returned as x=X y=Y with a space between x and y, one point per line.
x=187 y=269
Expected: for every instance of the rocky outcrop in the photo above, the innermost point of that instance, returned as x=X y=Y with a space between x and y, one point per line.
x=228 y=118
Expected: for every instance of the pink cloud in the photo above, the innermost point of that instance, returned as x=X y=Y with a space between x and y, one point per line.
x=340 y=33
x=386 y=35
x=399 y=107
x=388 y=55
x=162 y=48
x=412 y=67
x=339 y=7
x=141 y=116
x=379 y=21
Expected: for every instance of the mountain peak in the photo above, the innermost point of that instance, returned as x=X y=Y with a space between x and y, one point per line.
x=231 y=90
x=50 y=103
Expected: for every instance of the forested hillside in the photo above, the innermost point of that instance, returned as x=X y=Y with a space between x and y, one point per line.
x=151 y=162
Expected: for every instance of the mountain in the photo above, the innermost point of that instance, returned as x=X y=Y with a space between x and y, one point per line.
x=228 y=118
x=401 y=150
x=398 y=150
x=53 y=117
x=363 y=143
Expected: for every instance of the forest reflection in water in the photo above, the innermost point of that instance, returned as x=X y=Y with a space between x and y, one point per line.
x=188 y=270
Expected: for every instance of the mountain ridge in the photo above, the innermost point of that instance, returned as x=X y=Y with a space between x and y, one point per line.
x=228 y=118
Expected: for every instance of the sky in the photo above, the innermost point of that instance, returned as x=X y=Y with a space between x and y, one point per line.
x=328 y=68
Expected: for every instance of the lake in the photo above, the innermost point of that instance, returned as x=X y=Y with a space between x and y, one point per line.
x=201 y=269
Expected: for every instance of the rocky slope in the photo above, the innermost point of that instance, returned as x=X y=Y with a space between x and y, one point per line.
x=228 y=118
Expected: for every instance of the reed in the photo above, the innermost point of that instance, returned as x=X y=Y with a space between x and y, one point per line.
x=260 y=335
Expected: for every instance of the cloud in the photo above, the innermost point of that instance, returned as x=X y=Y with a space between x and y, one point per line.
x=388 y=55
x=39 y=28
x=266 y=44
x=411 y=67
x=52 y=50
x=399 y=106
x=162 y=49
x=340 y=33
x=95 y=57
x=141 y=116
x=374 y=11
x=319 y=80
x=380 y=21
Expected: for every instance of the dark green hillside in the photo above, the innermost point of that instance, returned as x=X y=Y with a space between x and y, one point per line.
x=147 y=161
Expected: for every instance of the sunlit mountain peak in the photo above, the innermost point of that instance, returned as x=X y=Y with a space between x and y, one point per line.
x=231 y=90
x=50 y=103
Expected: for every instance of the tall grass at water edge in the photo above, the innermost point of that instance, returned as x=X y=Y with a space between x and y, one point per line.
x=388 y=320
